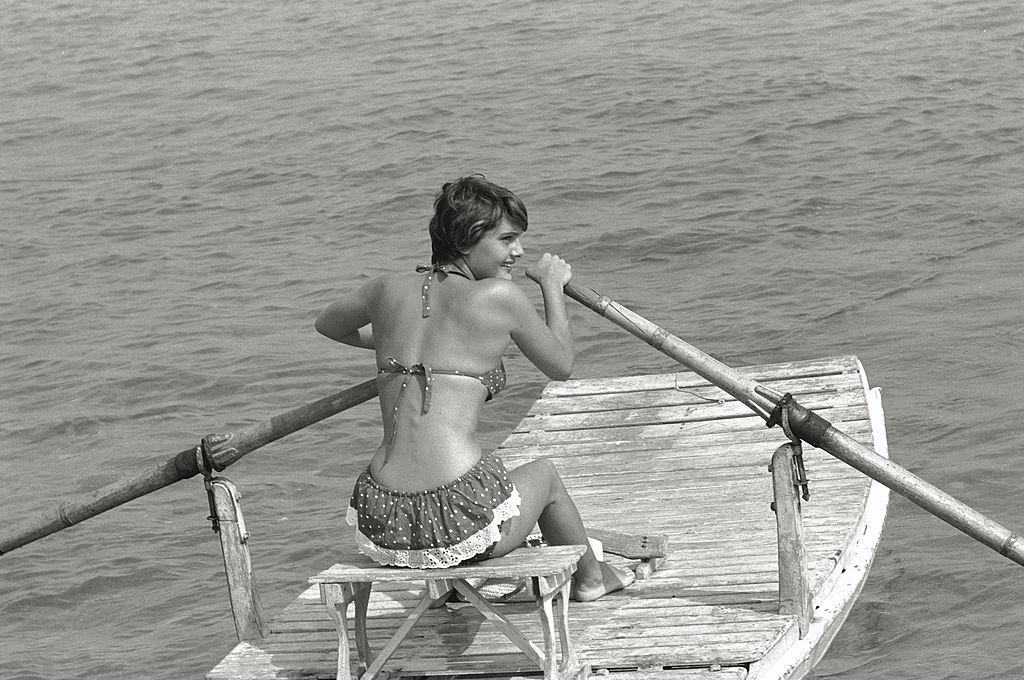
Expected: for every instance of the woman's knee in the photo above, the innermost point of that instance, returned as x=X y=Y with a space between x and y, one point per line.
x=551 y=476
x=547 y=466
x=542 y=473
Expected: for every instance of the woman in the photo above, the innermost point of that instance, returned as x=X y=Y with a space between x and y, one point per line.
x=430 y=497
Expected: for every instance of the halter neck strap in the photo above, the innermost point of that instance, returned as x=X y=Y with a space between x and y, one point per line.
x=430 y=270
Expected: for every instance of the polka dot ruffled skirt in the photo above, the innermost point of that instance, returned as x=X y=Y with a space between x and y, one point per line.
x=436 y=528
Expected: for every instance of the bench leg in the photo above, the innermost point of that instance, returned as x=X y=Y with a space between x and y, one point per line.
x=336 y=596
x=570 y=661
x=547 y=624
x=362 y=600
x=548 y=589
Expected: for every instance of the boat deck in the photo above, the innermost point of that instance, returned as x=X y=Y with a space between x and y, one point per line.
x=659 y=454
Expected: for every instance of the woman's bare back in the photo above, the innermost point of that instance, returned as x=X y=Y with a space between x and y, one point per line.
x=430 y=428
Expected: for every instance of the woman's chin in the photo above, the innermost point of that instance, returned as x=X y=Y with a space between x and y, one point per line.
x=505 y=273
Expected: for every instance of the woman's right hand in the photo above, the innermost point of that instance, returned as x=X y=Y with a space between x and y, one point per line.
x=551 y=348
x=550 y=270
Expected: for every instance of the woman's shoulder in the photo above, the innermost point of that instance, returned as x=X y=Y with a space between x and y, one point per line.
x=502 y=292
x=383 y=288
x=497 y=287
x=388 y=281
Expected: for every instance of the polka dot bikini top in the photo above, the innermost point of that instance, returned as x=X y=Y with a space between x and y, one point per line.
x=494 y=379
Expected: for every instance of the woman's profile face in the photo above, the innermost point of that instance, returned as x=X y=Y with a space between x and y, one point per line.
x=497 y=251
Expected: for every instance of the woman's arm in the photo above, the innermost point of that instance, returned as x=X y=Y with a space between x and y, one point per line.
x=549 y=344
x=348 y=320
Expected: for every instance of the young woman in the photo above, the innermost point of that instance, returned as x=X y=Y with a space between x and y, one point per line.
x=430 y=497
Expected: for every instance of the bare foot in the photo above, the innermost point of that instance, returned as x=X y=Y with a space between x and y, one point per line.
x=612 y=579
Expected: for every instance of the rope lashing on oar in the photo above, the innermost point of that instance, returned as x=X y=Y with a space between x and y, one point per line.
x=780 y=416
x=205 y=462
x=206 y=465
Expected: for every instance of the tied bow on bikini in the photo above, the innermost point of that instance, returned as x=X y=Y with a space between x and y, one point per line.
x=395 y=366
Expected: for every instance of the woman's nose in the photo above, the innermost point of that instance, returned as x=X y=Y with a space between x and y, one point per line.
x=517 y=248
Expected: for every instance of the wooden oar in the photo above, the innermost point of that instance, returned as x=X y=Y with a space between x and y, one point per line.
x=809 y=427
x=216 y=452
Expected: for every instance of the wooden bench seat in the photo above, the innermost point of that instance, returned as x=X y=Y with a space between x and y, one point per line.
x=549 y=568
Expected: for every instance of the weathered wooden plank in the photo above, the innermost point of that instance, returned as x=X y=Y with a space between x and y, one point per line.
x=613 y=651
x=253 y=661
x=730 y=459
x=751 y=465
x=667 y=491
x=763 y=373
x=681 y=611
x=661 y=415
x=680 y=395
x=752 y=472
x=667 y=516
x=715 y=673
x=669 y=651
x=450 y=638
x=756 y=474
x=723 y=455
x=658 y=612
x=684 y=444
x=656 y=430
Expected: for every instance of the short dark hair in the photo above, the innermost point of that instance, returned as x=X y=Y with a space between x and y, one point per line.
x=464 y=210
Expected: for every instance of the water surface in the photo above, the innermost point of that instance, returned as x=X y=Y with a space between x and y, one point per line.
x=184 y=186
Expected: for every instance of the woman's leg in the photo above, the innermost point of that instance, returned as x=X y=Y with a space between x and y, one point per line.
x=546 y=503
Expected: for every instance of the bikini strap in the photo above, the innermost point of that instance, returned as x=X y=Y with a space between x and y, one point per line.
x=430 y=269
x=425 y=291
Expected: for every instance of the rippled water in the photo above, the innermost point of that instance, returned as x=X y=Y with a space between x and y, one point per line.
x=184 y=185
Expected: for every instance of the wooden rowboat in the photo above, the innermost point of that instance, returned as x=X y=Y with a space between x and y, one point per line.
x=666 y=454
x=738 y=595
x=673 y=454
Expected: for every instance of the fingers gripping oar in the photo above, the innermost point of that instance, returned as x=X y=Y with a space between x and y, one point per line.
x=808 y=426
x=215 y=452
